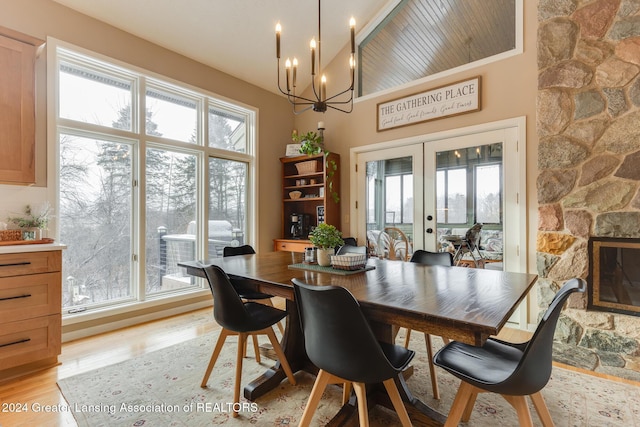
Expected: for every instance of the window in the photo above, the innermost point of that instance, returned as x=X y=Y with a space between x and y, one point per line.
x=469 y=186
x=451 y=199
x=193 y=155
x=420 y=38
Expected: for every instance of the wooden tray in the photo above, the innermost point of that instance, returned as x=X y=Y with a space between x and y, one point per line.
x=25 y=242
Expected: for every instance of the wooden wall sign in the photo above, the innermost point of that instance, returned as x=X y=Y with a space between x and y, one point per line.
x=444 y=101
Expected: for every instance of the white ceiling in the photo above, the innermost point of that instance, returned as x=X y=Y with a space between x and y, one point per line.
x=237 y=36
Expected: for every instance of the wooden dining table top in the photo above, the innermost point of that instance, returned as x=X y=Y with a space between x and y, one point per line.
x=464 y=304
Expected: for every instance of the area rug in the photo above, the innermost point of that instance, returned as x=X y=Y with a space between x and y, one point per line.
x=163 y=389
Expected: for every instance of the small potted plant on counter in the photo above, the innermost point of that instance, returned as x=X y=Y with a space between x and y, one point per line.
x=325 y=237
x=32 y=223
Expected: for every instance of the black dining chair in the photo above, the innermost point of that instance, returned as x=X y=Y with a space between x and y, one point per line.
x=241 y=318
x=430 y=258
x=350 y=241
x=245 y=289
x=512 y=370
x=340 y=342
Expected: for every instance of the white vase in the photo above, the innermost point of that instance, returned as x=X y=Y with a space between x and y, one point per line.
x=324 y=256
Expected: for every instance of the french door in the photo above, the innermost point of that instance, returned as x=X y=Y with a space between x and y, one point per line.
x=390 y=193
x=436 y=188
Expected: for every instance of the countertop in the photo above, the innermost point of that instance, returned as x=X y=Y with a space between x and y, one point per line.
x=36 y=247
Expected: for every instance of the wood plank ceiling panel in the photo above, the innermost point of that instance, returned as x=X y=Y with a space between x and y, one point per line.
x=424 y=37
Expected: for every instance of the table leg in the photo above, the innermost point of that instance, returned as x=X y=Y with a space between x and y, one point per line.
x=293 y=347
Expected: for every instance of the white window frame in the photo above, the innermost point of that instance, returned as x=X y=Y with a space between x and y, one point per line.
x=205 y=99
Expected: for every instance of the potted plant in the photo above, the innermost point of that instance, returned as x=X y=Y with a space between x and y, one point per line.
x=325 y=237
x=32 y=223
x=311 y=144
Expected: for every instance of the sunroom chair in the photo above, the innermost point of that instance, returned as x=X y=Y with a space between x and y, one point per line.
x=393 y=244
x=469 y=244
x=240 y=318
x=512 y=370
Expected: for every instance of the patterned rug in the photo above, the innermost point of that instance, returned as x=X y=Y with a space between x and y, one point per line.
x=163 y=389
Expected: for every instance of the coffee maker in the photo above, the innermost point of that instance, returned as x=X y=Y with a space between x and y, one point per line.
x=299 y=225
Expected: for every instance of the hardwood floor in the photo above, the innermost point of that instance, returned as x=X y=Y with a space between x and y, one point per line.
x=40 y=389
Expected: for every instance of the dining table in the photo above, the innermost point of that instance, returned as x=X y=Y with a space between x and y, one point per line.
x=460 y=303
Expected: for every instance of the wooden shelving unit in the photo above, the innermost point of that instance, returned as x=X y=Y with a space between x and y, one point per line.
x=316 y=186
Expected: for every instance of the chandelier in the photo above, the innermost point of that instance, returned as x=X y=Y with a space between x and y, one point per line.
x=320 y=102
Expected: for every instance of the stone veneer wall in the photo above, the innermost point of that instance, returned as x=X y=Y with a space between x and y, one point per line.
x=588 y=123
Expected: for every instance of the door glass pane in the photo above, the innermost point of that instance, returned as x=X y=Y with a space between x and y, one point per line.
x=174 y=116
x=469 y=190
x=227 y=204
x=95 y=220
x=389 y=202
x=170 y=227
x=489 y=205
x=227 y=131
x=92 y=97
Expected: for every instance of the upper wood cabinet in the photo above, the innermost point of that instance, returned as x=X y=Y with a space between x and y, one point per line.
x=17 y=108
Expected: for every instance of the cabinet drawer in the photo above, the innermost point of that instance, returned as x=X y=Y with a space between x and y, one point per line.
x=23 y=297
x=30 y=340
x=291 y=245
x=18 y=264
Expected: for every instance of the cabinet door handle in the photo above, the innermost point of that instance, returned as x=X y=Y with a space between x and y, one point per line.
x=15 y=297
x=16 y=342
x=15 y=264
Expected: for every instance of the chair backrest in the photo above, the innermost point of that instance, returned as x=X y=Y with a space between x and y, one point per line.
x=472 y=236
x=337 y=337
x=350 y=249
x=393 y=244
x=350 y=241
x=432 y=258
x=238 y=250
x=534 y=370
x=228 y=309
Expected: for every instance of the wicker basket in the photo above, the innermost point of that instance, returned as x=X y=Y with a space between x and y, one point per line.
x=310 y=166
x=10 y=235
x=349 y=261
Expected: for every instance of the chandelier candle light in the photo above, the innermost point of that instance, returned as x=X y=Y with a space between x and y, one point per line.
x=321 y=102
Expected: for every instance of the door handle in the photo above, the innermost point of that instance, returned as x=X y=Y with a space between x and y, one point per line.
x=429 y=230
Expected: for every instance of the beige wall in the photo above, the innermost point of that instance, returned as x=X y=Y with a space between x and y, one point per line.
x=43 y=18
x=509 y=89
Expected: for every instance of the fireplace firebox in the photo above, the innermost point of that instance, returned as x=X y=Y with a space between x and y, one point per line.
x=614 y=275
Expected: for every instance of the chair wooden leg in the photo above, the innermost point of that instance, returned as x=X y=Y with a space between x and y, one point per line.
x=396 y=400
x=445 y=340
x=459 y=404
x=256 y=347
x=407 y=338
x=468 y=410
x=361 y=394
x=522 y=409
x=314 y=398
x=541 y=409
x=346 y=392
x=242 y=342
x=432 y=367
x=224 y=333
x=281 y=357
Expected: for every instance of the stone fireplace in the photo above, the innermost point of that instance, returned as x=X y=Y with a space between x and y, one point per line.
x=588 y=124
